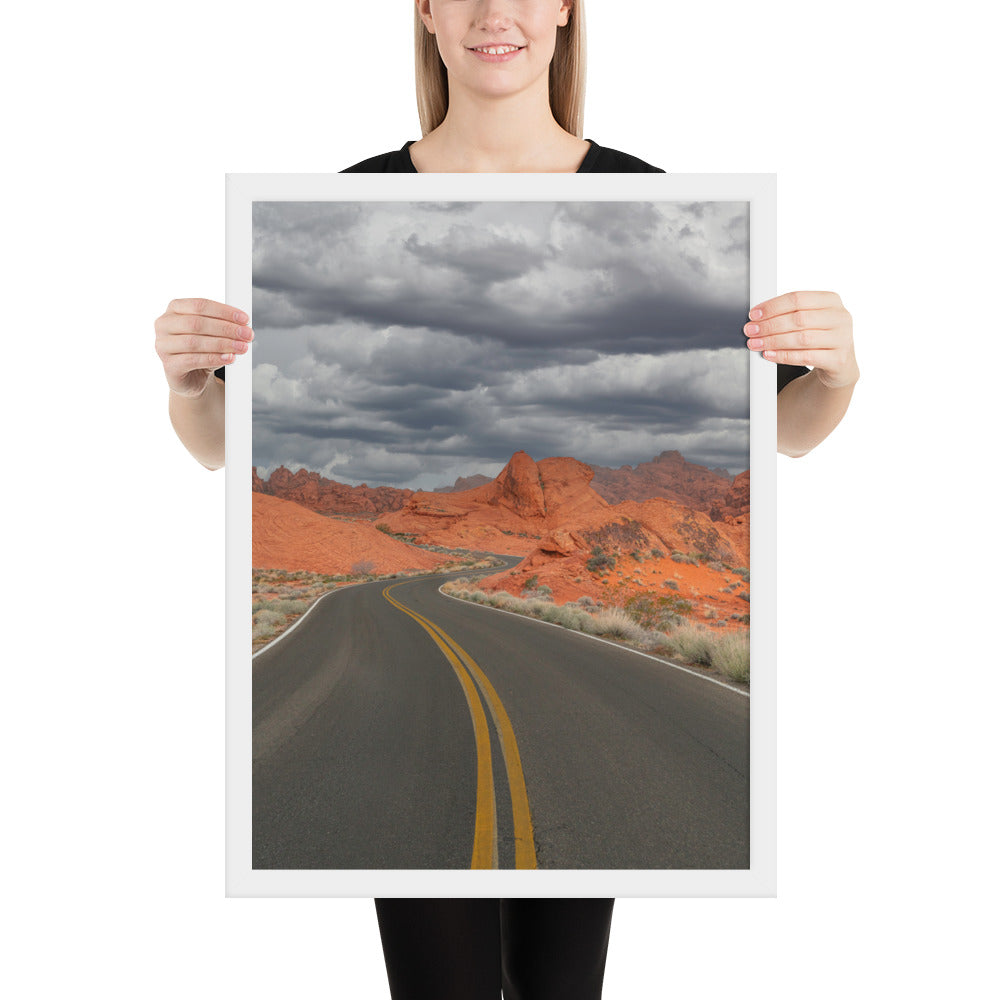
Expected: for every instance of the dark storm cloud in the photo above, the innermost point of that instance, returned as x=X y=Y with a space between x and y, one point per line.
x=413 y=343
x=463 y=250
x=613 y=323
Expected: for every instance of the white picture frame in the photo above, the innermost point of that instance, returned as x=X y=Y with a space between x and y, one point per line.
x=759 y=879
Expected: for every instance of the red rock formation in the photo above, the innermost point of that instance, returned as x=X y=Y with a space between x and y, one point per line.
x=640 y=540
x=670 y=476
x=288 y=536
x=548 y=512
x=327 y=496
x=510 y=514
x=735 y=507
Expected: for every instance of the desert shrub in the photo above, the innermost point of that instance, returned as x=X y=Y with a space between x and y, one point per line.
x=615 y=621
x=743 y=596
x=692 y=644
x=672 y=584
x=505 y=601
x=535 y=606
x=262 y=632
x=644 y=608
x=681 y=557
x=537 y=595
x=657 y=611
x=656 y=553
x=384 y=528
x=599 y=560
x=727 y=652
x=731 y=655
x=530 y=583
x=744 y=573
x=290 y=607
x=363 y=567
x=552 y=613
x=654 y=642
x=569 y=616
x=267 y=616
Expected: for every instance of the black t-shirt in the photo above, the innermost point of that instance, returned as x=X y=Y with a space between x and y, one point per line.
x=599 y=160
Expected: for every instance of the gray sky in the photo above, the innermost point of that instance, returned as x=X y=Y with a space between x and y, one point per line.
x=407 y=344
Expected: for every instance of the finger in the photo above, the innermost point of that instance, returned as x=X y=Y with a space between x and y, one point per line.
x=207 y=307
x=814 y=358
x=800 y=340
x=177 y=324
x=800 y=319
x=191 y=345
x=792 y=301
x=181 y=364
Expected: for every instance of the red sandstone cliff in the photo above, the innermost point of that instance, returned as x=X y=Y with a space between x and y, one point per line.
x=327 y=496
x=630 y=548
x=510 y=514
x=735 y=506
x=670 y=476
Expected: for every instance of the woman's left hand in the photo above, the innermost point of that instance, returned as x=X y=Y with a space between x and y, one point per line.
x=806 y=328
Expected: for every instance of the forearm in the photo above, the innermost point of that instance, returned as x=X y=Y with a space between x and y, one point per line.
x=808 y=411
x=200 y=423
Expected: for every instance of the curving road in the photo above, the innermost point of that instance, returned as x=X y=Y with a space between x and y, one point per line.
x=396 y=727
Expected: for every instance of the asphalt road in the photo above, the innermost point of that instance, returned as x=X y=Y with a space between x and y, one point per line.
x=395 y=727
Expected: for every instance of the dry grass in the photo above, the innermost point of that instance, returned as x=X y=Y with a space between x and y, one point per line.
x=726 y=651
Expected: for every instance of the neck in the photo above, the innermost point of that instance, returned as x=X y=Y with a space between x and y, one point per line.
x=493 y=135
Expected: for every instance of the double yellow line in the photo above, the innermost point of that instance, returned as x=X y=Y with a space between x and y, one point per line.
x=484 y=844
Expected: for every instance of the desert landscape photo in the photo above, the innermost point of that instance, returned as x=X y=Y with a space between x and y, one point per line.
x=501 y=549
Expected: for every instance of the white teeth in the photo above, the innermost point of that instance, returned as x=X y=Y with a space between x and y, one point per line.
x=499 y=49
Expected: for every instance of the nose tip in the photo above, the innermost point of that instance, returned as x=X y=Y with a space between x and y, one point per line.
x=495 y=20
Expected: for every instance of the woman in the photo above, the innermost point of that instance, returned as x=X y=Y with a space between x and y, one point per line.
x=500 y=89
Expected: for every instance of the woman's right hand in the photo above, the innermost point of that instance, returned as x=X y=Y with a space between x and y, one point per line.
x=194 y=337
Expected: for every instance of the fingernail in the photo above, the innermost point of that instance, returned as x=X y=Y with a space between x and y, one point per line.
x=756 y=313
x=246 y=333
x=755 y=345
x=240 y=317
x=771 y=354
x=751 y=328
x=228 y=359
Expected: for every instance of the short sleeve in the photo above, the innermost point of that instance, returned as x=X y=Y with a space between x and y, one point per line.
x=788 y=373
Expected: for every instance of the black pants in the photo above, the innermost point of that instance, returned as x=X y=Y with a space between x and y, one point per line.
x=465 y=949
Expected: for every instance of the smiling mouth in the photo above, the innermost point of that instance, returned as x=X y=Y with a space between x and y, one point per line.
x=496 y=50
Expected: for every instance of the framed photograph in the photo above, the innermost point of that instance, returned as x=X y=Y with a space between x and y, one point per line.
x=500 y=486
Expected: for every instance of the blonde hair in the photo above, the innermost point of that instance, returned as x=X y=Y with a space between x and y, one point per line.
x=567 y=75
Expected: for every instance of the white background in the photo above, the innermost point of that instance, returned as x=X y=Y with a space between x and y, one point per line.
x=121 y=121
